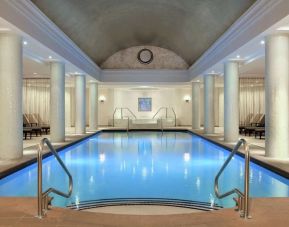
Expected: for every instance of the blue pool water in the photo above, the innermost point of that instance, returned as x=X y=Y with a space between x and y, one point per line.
x=175 y=165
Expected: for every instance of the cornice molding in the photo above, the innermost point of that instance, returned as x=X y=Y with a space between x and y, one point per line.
x=27 y=17
x=259 y=17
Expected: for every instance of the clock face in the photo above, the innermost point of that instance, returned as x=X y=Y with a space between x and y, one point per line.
x=145 y=56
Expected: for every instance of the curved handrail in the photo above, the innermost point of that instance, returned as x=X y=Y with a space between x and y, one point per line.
x=113 y=116
x=121 y=108
x=42 y=196
x=244 y=196
x=158 y=111
x=175 y=116
x=130 y=112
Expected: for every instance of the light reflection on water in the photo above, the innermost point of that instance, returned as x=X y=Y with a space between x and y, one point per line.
x=174 y=165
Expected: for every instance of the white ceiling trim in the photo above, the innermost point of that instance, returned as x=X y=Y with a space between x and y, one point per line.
x=262 y=15
x=28 y=18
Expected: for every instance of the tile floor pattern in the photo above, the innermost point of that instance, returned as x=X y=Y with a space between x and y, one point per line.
x=21 y=212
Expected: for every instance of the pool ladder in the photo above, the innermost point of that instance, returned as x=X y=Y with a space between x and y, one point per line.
x=243 y=199
x=43 y=198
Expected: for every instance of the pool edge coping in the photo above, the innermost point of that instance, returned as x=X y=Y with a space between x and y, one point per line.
x=22 y=165
x=268 y=166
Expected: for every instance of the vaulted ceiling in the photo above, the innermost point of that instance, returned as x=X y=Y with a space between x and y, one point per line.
x=103 y=27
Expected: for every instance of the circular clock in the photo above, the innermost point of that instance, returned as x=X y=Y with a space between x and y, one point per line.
x=145 y=56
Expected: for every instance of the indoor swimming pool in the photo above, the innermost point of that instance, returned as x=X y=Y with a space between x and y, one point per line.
x=144 y=164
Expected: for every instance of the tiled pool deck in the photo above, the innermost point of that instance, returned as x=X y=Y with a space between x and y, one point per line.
x=21 y=212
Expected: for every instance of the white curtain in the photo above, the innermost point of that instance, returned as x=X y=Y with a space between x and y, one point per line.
x=252 y=97
x=36 y=98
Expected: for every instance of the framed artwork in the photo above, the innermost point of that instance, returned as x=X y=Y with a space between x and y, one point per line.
x=144 y=104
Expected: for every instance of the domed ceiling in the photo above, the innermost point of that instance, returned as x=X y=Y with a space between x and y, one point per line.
x=103 y=27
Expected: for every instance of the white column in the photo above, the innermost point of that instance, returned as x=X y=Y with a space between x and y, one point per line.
x=80 y=104
x=93 y=106
x=277 y=96
x=57 y=101
x=209 y=87
x=196 y=105
x=231 y=101
x=11 y=120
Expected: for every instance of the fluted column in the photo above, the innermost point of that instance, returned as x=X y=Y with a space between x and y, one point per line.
x=93 y=106
x=277 y=96
x=209 y=88
x=231 y=101
x=196 y=105
x=57 y=101
x=80 y=104
x=11 y=120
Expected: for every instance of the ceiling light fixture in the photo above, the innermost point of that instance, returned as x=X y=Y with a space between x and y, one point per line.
x=50 y=57
x=25 y=43
x=262 y=42
x=238 y=56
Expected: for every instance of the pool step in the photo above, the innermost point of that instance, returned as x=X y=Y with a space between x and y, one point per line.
x=204 y=206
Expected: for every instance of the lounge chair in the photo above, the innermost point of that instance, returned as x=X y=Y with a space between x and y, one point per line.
x=257 y=125
x=27 y=131
x=248 y=120
x=259 y=131
x=33 y=126
x=45 y=127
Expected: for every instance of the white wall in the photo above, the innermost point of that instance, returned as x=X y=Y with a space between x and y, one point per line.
x=106 y=108
x=163 y=97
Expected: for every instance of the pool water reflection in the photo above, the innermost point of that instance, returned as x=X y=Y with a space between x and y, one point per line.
x=175 y=165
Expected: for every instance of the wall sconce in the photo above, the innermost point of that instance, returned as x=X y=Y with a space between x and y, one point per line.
x=101 y=98
x=187 y=98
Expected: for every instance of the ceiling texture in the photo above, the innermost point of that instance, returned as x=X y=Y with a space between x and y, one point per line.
x=103 y=27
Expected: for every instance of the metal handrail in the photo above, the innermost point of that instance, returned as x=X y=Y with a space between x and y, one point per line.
x=166 y=108
x=175 y=116
x=127 y=129
x=130 y=112
x=43 y=198
x=121 y=109
x=243 y=197
x=158 y=111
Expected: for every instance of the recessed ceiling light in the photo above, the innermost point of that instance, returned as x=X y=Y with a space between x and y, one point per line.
x=34 y=73
x=50 y=57
x=262 y=42
x=25 y=43
x=5 y=29
x=238 y=56
x=283 y=28
x=198 y=80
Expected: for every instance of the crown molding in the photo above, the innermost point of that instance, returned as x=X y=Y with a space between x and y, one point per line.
x=259 y=17
x=28 y=18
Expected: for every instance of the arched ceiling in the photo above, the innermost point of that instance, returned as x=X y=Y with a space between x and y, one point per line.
x=103 y=27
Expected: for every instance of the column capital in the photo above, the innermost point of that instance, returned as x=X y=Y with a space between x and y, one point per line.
x=77 y=74
x=212 y=74
x=93 y=82
x=235 y=60
x=54 y=61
